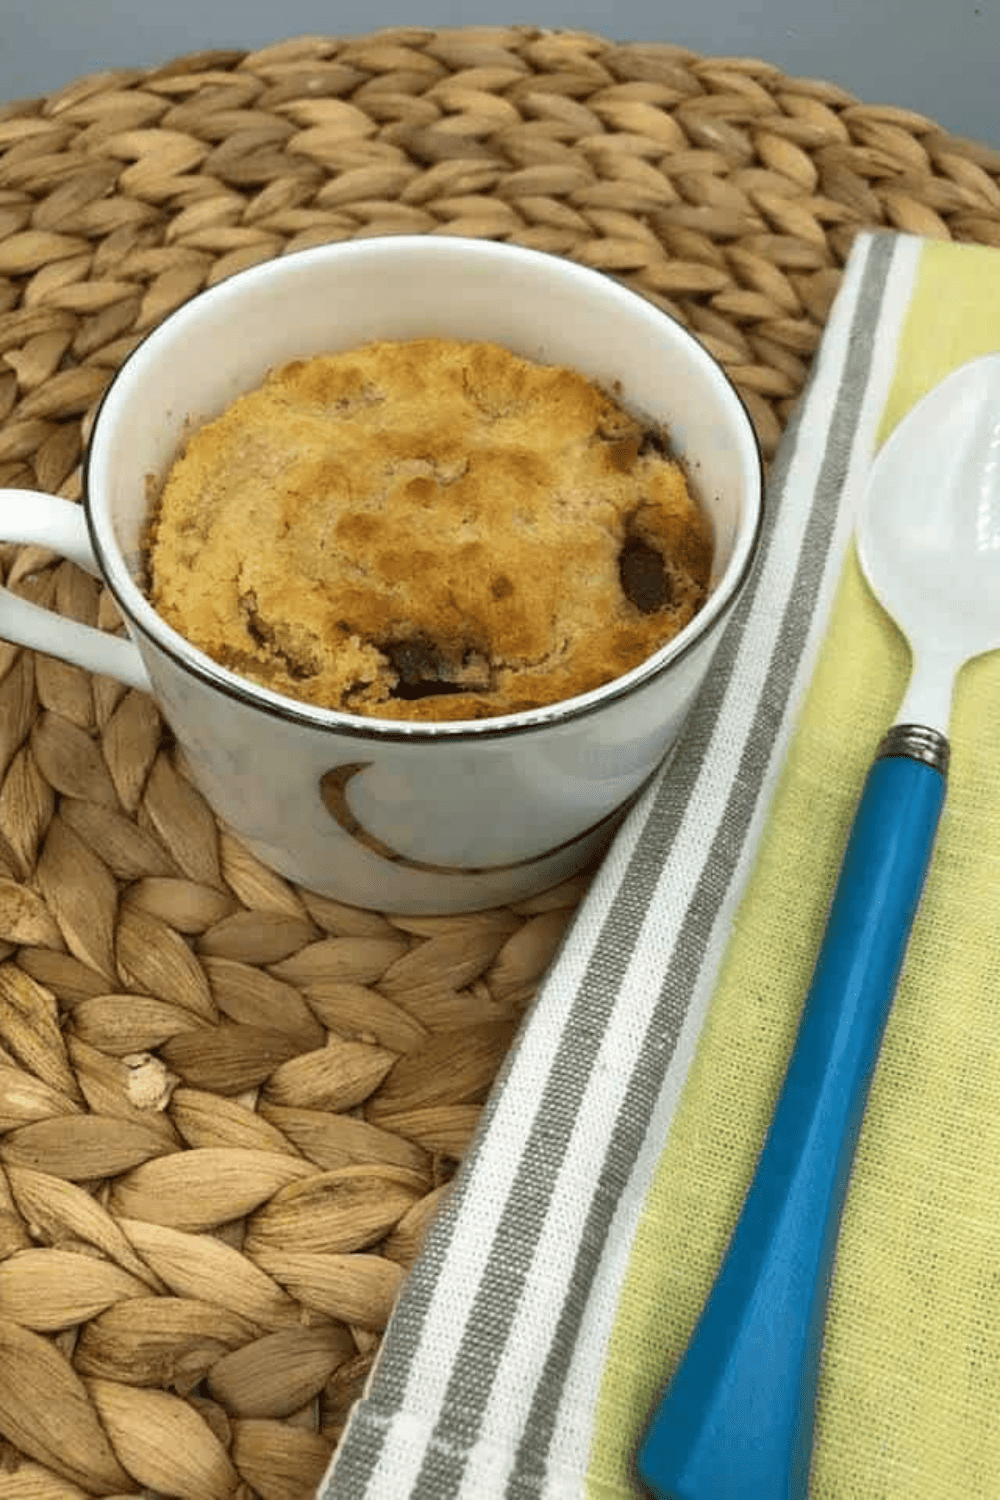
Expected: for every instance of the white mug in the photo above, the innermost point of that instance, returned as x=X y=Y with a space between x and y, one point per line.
x=400 y=816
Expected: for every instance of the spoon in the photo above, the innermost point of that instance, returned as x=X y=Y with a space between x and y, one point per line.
x=736 y=1419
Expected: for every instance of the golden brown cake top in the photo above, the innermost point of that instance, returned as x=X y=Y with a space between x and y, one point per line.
x=427 y=530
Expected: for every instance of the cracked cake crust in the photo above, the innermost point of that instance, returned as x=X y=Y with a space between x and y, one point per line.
x=427 y=530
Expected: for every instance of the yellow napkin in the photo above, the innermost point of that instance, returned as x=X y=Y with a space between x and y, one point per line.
x=910 y=1391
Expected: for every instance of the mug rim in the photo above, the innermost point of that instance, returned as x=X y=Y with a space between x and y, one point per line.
x=140 y=613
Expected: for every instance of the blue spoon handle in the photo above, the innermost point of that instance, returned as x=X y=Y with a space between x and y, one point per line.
x=736 y=1420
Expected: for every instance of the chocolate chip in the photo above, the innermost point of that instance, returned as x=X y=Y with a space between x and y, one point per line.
x=408 y=691
x=501 y=587
x=644 y=579
x=417 y=661
x=422 y=670
x=656 y=442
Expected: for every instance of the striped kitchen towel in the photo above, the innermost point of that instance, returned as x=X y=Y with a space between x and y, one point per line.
x=560 y=1282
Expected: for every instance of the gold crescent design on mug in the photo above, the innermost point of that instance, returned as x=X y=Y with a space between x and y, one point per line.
x=333 y=785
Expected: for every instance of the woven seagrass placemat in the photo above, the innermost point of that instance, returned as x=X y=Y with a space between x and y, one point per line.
x=229 y=1107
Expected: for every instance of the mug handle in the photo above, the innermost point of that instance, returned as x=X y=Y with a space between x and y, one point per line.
x=29 y=516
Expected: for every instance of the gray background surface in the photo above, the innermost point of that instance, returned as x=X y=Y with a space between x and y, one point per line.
x=939 y=57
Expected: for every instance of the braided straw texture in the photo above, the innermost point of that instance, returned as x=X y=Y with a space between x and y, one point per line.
x=229 y=1107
